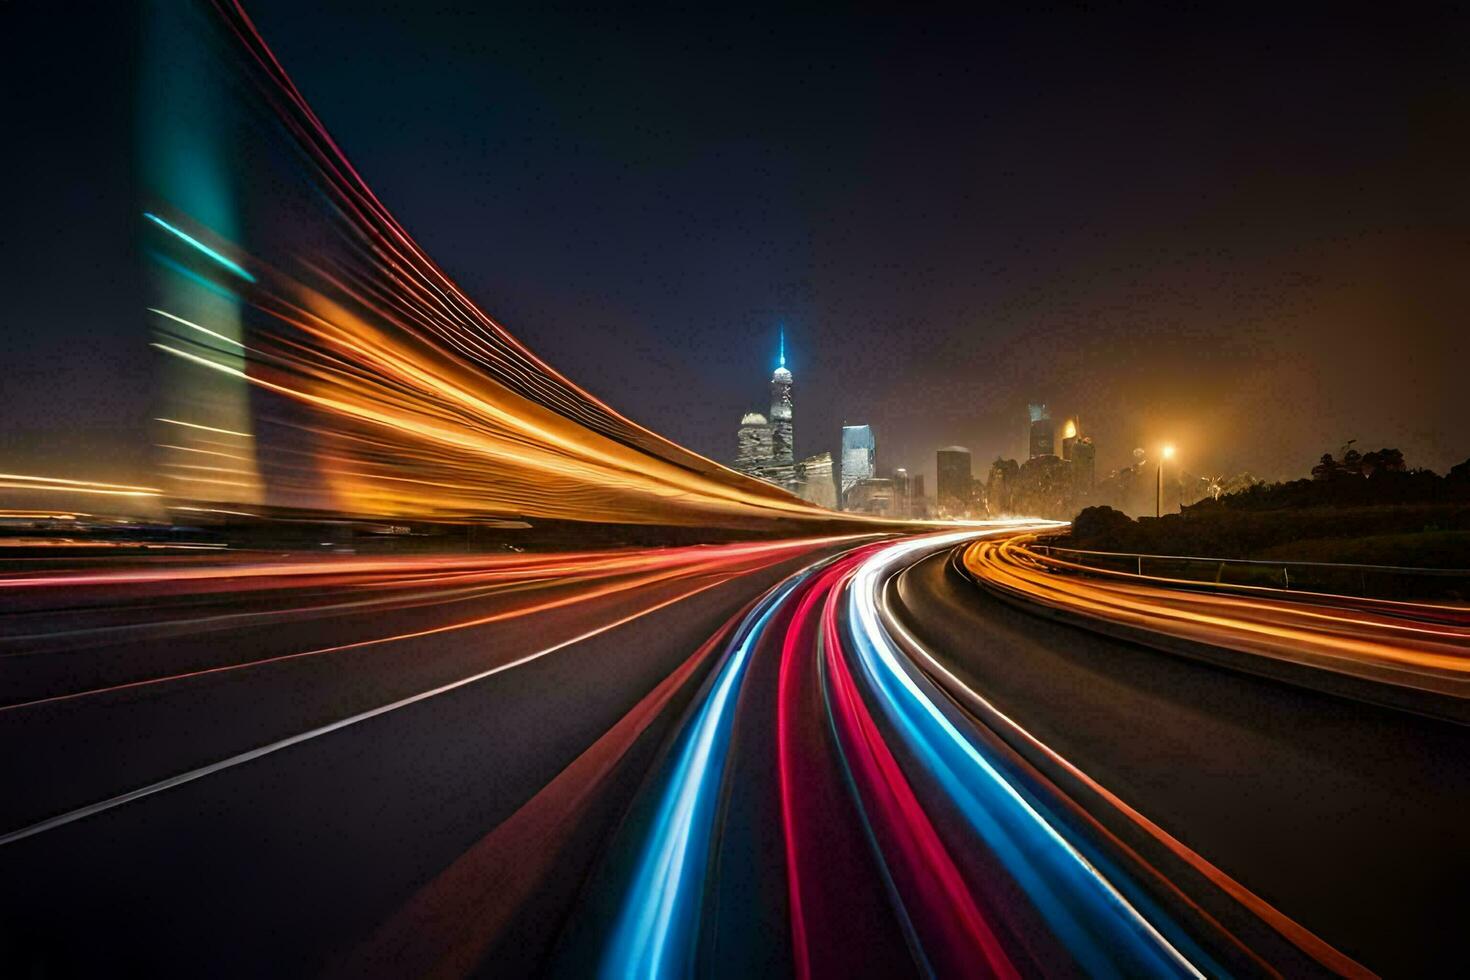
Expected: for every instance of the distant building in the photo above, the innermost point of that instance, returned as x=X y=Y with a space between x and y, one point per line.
x=859 y=457
x=908 y=495
x=873 y=496
x=815 y=482
x=903 y=493
x=953 y=489
x=1078 y=451
x=1044 y=488
x=1084 y=464
x=1000 y=490
x=1043 y=433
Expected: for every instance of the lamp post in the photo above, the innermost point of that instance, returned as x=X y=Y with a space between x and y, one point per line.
x=1168 y=453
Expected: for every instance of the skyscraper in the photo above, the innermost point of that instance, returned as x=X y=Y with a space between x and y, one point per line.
x=783 y=442
x=955 y=478
x=765 y=447
x=859 y=454
x=1043 y=433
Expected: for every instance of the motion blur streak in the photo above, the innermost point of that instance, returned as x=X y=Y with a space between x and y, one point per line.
x=803 y=788
x=382 y=390
x=629 y=572
x=446 y=928
x=654 y=936
x=975 y=864
x=1419 y=646
x=1099 y=927
x=941 y=914
x=988 y=714
x=695 y=571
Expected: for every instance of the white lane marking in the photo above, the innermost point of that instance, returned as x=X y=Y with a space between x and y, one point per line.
x=71 y=816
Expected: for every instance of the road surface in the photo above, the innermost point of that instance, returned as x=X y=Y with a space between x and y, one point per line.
x=836 y=757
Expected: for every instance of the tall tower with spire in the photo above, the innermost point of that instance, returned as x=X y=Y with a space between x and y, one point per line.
x=783 y=443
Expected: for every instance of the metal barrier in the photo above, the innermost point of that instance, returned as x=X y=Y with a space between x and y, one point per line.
x=1370 y=581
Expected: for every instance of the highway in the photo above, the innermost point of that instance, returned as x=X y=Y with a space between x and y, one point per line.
x=822 y=757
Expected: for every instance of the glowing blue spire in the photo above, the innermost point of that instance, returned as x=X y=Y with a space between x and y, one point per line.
x=783 y=348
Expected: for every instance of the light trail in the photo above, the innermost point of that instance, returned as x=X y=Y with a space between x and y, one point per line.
x=982 y=708
x=54 y=484
x=202 y=248
x=446 y=928
x=206 y=428
x=903 y=764
x=1326 y=633
x=1101 y=928
x=631 y=572
x=179 y=779
x=653 y=935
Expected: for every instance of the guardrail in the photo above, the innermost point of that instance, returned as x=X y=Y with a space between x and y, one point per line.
x=1369 y=581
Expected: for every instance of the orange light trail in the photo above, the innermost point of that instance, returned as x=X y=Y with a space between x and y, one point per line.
x=1368 y=639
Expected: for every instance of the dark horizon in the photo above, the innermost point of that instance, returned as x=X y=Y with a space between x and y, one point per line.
x=1240 y=238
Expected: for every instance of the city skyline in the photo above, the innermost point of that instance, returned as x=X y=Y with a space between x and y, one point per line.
x=1050 y=293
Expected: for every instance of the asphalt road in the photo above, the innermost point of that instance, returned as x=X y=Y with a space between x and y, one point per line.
x=297 y=771
x=280 y=865
x=1350 y=818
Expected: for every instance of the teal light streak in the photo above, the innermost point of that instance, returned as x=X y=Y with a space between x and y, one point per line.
x=227 y=263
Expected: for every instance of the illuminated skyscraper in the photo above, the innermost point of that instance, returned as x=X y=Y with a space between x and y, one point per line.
x=859 y=455
x=1043 y=433
x=765 y=447
x=783 y=443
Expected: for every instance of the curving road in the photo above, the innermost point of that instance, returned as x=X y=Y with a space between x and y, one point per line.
x=825 y=757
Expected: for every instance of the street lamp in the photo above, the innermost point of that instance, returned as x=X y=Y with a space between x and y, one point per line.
x=1168 y=453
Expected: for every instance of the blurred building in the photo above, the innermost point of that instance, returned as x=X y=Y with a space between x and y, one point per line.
x=1042 y=433
x=872 y=496
x=956 y=478
x=859 y=457
x=1078 y=451
x=1000 y=491
x=903 y=493
x=908 y=495
x=815 y=481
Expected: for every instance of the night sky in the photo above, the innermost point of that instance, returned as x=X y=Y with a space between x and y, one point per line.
x=1244 y=233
